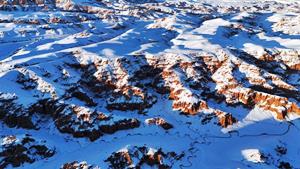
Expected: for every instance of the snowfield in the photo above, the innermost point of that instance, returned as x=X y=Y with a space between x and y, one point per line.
x=89 y=84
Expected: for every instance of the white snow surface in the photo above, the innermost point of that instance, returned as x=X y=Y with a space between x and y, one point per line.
x=88 y=37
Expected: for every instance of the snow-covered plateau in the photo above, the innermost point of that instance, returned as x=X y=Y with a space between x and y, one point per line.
x=140 y=84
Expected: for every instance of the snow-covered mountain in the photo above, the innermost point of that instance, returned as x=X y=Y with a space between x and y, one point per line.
x=149 y=84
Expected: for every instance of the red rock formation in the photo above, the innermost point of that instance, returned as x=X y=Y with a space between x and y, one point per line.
x=225 y=119
x=173 y=78
x=235 y=92
x=139 y=156
x=159 y=122
x=130 y=98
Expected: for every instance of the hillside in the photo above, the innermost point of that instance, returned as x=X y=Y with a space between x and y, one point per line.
x=149 y=84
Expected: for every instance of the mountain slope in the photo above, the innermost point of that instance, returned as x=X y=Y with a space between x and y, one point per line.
x=163 y=84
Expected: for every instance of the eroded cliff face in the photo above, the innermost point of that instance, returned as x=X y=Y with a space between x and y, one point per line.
x=141 y=156
x=90 y=75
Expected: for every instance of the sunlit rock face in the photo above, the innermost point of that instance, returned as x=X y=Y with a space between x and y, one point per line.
x=149 y=83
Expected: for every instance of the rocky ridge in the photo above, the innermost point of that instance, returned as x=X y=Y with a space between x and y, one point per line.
x=109 y=70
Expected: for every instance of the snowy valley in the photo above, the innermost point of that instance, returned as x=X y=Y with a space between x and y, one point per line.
x=89 y=84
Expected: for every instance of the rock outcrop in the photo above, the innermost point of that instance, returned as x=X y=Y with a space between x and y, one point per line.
x=82 y=121
x=17 y=150
x=159 y=122
x=78 y=165
x=163 y=72
x=138 y=156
